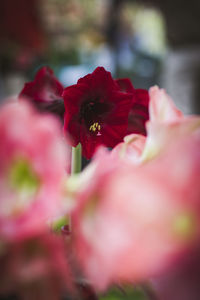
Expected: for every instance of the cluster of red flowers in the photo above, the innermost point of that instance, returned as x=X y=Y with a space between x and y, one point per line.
x=98 y=109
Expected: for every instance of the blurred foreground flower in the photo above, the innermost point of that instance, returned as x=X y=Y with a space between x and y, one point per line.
x=166 y=125
x=136 y=220
x=136 y=213
x=35 y=268
x=33 y=160
x=181 y=281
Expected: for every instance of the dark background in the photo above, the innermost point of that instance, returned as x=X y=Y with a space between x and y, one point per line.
x=152 y=42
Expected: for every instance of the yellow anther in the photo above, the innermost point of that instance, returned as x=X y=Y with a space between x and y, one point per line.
x=95 y=126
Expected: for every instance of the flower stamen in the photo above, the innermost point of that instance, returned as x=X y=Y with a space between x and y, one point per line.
x=95 y=126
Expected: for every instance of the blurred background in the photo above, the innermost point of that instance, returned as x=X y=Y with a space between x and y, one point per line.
x=151 y=42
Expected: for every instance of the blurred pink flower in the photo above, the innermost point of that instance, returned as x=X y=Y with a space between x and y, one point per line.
x=134 y=221
x=162 y=107
x=33 y=160
x=181 y=281
x=35 y=268
x=166 y=124
x=131 y=149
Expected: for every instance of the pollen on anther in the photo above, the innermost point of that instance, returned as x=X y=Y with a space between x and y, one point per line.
x=95 y=126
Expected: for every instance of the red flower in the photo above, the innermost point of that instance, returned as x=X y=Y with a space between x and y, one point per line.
x=45 y=91
x=139 y=112
x=96 y=111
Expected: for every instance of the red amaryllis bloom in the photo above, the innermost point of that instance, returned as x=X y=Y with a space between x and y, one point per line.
x=139 y=113
x=45 y=91
x=96 y=111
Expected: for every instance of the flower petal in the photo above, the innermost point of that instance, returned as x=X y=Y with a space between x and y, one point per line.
x=125 y=85
x=44 y=88
x=161 y=106
x=139 y=114
x=99 y=81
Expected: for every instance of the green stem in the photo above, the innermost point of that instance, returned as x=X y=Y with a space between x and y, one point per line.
x=76 y=160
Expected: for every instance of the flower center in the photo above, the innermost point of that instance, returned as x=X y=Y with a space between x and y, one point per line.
x=23 y=177
x=184 y=225
x=24 y=183
x=93 y=114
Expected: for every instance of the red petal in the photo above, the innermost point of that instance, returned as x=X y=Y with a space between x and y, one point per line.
x=73 y=97
x=125 y=85
x=89 y=142
x=113 y=134
x=44 y=88
x=139 y=113
x=73 y=129
x=123 y=103
x=100 y=82
x=142 y=97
